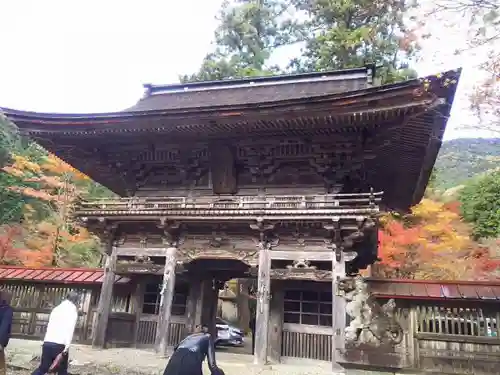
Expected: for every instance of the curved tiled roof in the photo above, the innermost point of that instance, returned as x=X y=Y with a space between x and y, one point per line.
x=409 y=118
x=56 y=275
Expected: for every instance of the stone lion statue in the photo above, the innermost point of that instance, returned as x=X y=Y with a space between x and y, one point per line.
x=370 y=322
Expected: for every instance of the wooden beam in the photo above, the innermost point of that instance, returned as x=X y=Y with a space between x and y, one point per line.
x=210 y=299
x=137 y=302
x=309 y=329
x=167 y=296
x=105 y=300
x=339 y=311
x=262 y=313
x=140 y=268
x=146 y=251
x=311 y=256
x=192 y=305
x=276 y=322
x=300 y=274
x=222 y=168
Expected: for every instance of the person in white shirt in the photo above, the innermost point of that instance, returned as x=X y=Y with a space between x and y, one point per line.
x=60 y=329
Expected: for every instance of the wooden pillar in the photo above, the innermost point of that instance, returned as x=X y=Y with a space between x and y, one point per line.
x=262 y=313
x=242 y=304
x=137 y=302
x=193 y=306
x=38 y=304
x=339 y=304
x=105 y=299
x=276 y=321
x=167 y=296
x=209 y=305
x=88 y=311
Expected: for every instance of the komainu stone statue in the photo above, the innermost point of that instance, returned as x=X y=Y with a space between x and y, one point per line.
x=370 y=323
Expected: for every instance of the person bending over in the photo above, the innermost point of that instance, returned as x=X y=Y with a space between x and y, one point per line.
x=189 y=355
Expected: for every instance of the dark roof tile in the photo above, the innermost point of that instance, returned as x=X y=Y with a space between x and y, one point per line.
x=451 y=291
x=434 y=290
x=419 y=291
x=485 y=292
x=245 y=94
x=468 y=291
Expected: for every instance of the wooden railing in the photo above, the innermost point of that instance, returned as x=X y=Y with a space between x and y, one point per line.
x=362 y=203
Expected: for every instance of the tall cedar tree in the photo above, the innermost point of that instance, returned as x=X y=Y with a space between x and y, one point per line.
x=248 y=33
x=351 y=33
x=335 y=34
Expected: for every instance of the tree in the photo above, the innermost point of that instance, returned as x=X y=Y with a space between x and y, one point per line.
x=430 y=243
x=352 y=33
x=482 y=20
x=248 y=33
x=9 y=253
x=49 y=233
x=337 y=35
x=480 y=200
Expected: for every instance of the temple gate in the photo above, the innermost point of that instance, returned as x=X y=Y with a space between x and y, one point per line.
x=275 y=178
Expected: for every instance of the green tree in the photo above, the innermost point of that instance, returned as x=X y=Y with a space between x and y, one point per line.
x=248 y=33
x=336 y=35
x=480 y=202
x=344 y=34
x=11 y=203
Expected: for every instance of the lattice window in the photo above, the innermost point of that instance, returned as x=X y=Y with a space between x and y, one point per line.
x=465 y=321
x=308 y=307
x=151 y=304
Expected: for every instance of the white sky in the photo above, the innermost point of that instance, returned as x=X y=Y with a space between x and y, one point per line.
x=93 y=56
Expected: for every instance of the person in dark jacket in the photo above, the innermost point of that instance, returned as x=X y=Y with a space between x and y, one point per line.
x=189 y=355
x=6 y=314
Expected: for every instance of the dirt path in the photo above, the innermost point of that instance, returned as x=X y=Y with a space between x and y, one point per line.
x=85 y=360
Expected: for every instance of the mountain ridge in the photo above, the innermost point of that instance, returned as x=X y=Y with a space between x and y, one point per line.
x=462 y=159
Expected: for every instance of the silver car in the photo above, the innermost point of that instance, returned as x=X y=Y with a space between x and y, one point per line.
x=228 y=335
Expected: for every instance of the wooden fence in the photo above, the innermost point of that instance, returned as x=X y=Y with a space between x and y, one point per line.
x=32 y=303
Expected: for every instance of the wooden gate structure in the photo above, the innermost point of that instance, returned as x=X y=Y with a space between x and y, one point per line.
x=450 y=327
x=278 y=178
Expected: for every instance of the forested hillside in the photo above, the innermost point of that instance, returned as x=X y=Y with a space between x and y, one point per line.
x=462 y=159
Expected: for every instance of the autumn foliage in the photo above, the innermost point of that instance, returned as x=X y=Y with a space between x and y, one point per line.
x=47 y=235
x=431 y=243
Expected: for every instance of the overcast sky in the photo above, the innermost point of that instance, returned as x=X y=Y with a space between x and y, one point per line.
x=93 y=56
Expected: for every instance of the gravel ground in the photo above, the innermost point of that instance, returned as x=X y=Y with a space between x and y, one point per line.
x=22 y=357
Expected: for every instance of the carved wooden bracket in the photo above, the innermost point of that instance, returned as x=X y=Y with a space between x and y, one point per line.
x=334 y=242
x=300 y=236
x=267 y=239
x=248 y=257
x=365 y=225
x=301 y=274
x=302 y=264
x=172 y=236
